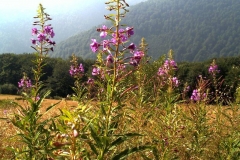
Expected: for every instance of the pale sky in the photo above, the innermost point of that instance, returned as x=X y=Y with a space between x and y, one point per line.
x=31 y=4
x=26 y=9
x=15 y=8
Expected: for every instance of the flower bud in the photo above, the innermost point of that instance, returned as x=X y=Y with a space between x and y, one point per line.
x=75 y=133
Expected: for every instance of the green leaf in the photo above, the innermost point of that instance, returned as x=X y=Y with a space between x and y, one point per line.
x=130 y=151
x=95 y=137
x=61 y=128
x=66 y=115
x=50 y=107
x=122 y=139
x=155 y=153
x=103 y=110
x=39 y=102
x=117 y=142
x=90 y=144
x=37 y=136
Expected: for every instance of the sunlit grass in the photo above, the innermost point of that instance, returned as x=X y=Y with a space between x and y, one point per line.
x=172 y=134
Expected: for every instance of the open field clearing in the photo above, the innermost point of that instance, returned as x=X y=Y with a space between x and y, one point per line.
x=227 y=121
x=9 y=107
x=8 y=130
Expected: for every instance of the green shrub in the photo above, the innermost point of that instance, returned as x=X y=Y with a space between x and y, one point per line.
x=237 y=95
x=8 y=88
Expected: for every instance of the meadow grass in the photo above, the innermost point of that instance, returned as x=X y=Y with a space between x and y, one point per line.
x=7 y=132
x=190 y=131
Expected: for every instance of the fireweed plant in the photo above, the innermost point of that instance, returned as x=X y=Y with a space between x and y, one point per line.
x=77 y=72
x=33 y=131
x=168 y=82
x=115 y=56
x=97 y=134
x=71 y=139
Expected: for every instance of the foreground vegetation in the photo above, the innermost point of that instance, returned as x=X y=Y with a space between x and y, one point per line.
x=127 y=109
x=190 y=131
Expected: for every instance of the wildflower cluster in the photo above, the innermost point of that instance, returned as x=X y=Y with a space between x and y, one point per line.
x=43 y=41
x=197 y=96
x=25 y=84
x=119 y=37
x=166 y=72
x=74 y=71
x=201 y=92
x=44 y=35
x=77 y=72
x=213 y=68
x=167 y=67
x=96 y=71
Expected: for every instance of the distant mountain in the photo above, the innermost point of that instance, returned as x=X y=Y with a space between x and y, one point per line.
x=15 y=26
x=195 y=30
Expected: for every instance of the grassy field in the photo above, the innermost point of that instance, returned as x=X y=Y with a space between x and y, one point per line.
x=222 y=121
x=7 y=107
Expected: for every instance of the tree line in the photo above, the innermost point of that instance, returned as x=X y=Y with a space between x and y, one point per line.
x=56 y=73
x=57 y=78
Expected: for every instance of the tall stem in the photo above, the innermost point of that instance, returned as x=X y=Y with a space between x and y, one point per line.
x=40 y=52
x=110 y=100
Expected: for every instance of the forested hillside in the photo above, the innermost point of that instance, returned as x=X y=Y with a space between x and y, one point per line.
x=195 y=30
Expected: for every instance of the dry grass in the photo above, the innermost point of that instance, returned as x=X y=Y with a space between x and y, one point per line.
x=8 y=130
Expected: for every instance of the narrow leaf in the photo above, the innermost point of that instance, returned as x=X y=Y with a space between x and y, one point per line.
x=130 y=151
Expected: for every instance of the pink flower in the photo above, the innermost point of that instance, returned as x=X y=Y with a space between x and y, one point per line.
x=47 y=29
x=52 y=34
x=76 y=70
x=94 y=45
x=34 y=41
x=110 y=58
x=105 y=45
x=138 y=55
x=95 y=71
x=130 y=31
x=122 y=36
x=34 y=31
x=161 y=72
x=41 y=37
x=24 y=83
x=90 y=81
x=75 y=133
x=132 y=46
x=213 y=69
x=175 y=81
x=103 y=34
x=37 y=98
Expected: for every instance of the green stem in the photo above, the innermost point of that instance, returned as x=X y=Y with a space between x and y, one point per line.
x=110 y=100
x=73 y=148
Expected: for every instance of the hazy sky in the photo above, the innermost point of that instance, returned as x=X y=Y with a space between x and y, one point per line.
x=16 y=8
x=23 y=5
x=11 y=9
